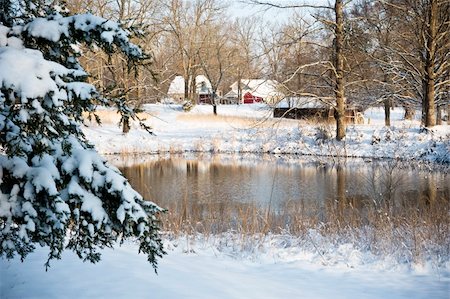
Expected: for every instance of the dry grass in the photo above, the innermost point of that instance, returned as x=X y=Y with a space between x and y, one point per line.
x=410 y=232
x=237 y=121
x=110 y=117
x=412 y=227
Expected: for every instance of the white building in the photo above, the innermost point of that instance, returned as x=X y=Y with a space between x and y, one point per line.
x=176 y=87
x=255 y=90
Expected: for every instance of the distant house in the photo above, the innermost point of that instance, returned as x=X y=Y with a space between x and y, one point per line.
x=313 y=108
x=255 y=91
x=203 y=89
x=176 y=89
x=230 y=97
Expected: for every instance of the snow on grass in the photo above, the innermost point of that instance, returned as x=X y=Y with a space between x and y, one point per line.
x=205 y=268
x=251 y=129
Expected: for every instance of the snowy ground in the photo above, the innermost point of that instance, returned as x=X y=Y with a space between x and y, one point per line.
x=251 y=129
x=213 y=269
x=204 y=272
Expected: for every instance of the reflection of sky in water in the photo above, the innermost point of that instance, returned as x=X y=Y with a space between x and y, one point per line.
x=215 y=178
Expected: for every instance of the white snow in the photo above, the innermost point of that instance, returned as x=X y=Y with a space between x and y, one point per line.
x=20 y=167
x=90 y=203
x=176 y=87
x=42 y=180
x=82 y=90
x=53 y=30
x=251 y=129
x=33 y=78
x=10 y=41
x=217 y=266
x=266 y=89
x=205 y=269
x=48 y=29
x=3 y=35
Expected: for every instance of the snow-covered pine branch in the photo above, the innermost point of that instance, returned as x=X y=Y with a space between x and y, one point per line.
x=56 y=191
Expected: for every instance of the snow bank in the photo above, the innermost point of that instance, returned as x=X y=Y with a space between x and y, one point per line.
x=207 y=268
x=263 y=134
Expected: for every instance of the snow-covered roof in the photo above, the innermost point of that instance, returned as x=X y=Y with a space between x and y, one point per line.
x=177 y=85
x=231 y=94
x=258 y=87
x=302 y=103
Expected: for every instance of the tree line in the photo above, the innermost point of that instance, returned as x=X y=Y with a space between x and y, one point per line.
x=359 y=53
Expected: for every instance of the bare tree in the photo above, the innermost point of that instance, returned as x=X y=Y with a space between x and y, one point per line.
x=299 y=48
x=113 y=74
x=270 y=40
x=216 y=57
x=246 y=60
x=420 y=56
x=185 y=21
x=336 y=65
x=373 y=28
x=339 y=111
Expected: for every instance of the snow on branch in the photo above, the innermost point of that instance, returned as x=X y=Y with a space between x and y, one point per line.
x=55 y=189
x=86 y=28
x=31 y=76
x=287 y=6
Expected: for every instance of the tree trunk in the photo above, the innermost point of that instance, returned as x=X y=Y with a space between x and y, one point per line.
x=439 y=115
x=239 y=91
x=214 y=102
x=340 y=183
x=430 y=76
x=409 y=113
x=387 y=112
x=339 y=112
x=340 y=190
x=193 y=88
x=430 y=191
x=448 y=113
x=186 y=87
x=126 y=124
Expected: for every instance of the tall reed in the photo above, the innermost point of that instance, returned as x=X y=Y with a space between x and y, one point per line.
x=412 y=231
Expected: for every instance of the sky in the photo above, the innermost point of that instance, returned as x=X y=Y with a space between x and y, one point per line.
x=239 y=8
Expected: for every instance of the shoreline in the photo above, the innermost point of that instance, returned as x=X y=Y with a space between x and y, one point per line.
x=198 y=131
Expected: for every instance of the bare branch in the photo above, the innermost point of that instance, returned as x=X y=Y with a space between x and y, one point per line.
x=284 y=6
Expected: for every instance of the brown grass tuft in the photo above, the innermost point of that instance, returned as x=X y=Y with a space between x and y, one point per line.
x=236 y=121
x=111 y=117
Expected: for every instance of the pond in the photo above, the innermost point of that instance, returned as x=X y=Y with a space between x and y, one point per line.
x=223 y=192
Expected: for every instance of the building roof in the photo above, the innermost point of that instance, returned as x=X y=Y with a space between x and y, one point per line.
x=302 y=103
x=231 y=94
x=177 y=85
x=258 y=87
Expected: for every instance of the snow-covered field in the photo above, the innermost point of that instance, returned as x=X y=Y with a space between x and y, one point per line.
x=251 y=129
x=200 y=270
x=213 y=267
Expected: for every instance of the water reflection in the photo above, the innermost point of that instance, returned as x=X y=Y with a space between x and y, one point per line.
x=232 y=179
x=384 y=207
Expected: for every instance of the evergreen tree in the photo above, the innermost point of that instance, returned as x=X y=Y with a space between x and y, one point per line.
x=55 y=190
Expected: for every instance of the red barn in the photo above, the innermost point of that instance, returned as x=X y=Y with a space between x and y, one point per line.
x=254 y=91
x=250 y=99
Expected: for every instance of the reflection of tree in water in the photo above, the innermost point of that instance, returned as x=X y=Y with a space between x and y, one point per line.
x=430 y=192
x=386 y=181
x=207 y=195
x=382 y=207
